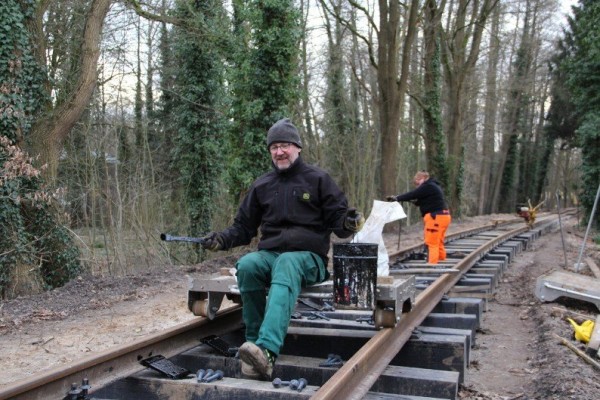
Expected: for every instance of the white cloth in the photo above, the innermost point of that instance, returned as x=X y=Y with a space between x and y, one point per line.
x=372 y=232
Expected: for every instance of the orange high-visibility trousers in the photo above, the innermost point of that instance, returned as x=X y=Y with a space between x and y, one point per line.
x=435 y=233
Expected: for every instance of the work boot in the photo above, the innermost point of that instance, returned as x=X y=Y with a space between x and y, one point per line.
x=249 y=372
x=259 y=359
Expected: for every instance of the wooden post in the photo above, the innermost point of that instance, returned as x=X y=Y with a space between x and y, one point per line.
x=580 y=353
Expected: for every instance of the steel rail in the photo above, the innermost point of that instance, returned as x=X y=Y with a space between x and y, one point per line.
x=123 y=360
x=354 y=379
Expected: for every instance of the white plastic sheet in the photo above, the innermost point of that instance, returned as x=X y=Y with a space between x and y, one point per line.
x=382 y=213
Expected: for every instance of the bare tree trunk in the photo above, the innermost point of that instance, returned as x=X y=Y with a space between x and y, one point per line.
x=543 y=148
x=411 y=156
x=366 y=79
x=49 y=132
x=389 y=104
x=505 y=137
x=489 y=123
x=391 y=87
x=472 y=154
x=310 y=150
x=534 y=153
x=516 y=171
x=459 y=63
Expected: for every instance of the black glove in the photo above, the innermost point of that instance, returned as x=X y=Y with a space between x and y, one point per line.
x=213 y=242
x=354 y=220
x=391 y=198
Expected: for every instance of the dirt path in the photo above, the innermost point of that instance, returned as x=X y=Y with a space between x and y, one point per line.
x=516 y=356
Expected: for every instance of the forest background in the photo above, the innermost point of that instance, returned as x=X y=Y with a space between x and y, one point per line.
x=123 y=119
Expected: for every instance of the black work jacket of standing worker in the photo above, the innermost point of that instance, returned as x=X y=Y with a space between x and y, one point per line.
x=296 y=210
x=429 y=197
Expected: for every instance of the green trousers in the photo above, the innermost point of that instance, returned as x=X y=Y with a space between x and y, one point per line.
x=267 y=318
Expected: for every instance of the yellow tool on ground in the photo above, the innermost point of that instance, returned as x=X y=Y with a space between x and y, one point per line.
x=583 y=332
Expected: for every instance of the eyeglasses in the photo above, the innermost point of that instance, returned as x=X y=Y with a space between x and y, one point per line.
x=283 y=146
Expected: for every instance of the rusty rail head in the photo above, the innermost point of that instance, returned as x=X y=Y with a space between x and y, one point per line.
x=119 y=361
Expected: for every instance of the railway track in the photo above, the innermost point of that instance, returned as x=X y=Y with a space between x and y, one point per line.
x=421 y=355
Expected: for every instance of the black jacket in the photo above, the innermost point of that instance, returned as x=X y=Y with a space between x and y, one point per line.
x=296 y=209
x=428 y=196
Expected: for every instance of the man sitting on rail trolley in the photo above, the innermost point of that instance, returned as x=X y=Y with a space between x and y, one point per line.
x=296 y=206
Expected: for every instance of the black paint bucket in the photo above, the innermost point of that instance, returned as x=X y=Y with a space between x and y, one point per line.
x=354 y=275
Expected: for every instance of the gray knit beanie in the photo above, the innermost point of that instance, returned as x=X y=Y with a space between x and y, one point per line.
x=283 y=131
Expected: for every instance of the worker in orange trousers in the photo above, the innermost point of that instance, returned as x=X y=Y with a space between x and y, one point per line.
x=429 y=197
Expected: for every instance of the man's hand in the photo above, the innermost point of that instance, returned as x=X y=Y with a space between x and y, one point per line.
x=213 y=242
x=391 y=198
x=354 y=220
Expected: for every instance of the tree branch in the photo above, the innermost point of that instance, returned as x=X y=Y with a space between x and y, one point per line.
x=49 y=132
x=365 y=11
x=348 y=25
x=137 y=7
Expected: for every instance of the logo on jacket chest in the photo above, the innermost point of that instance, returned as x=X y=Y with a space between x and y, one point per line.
x=302 y=195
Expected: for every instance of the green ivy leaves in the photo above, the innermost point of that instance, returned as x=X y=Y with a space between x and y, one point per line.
x=31 y=238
